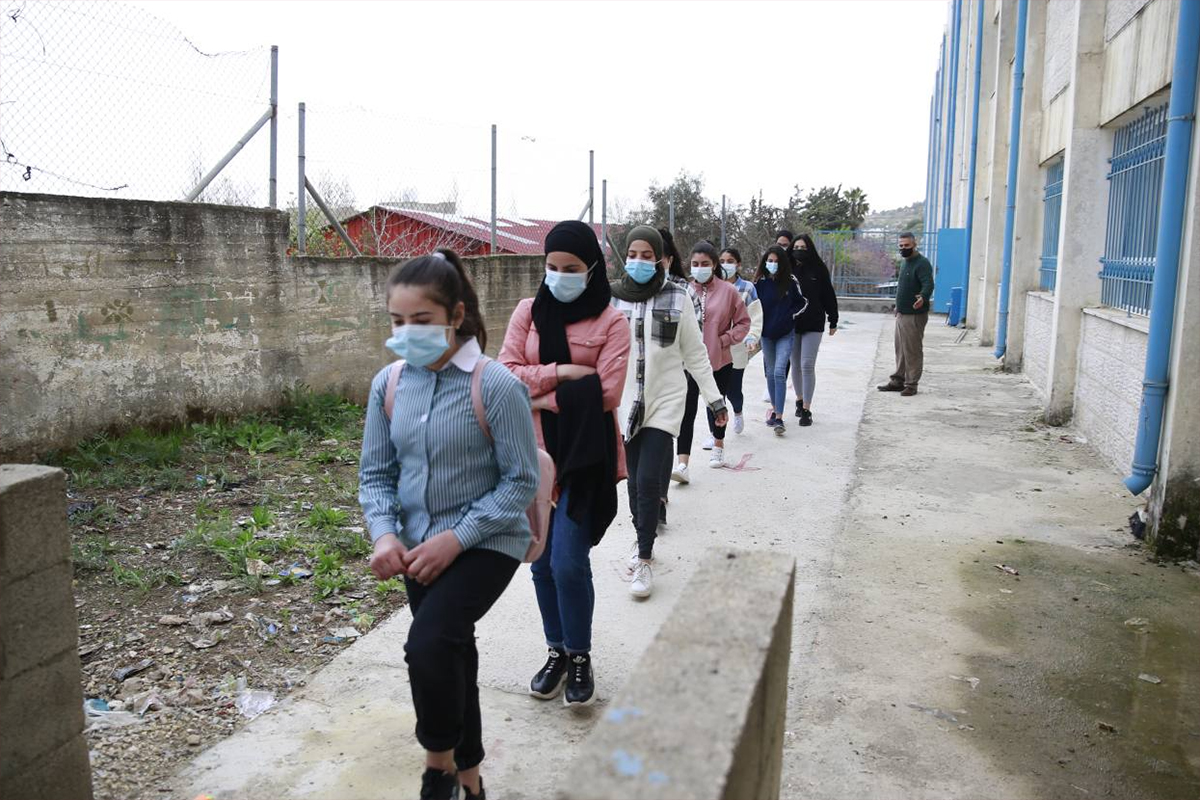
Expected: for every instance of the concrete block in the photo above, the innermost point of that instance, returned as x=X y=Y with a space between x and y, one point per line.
x=33 y=520
x=37 y=620
x=62 y=774
x=702 y=715
x=42 y=709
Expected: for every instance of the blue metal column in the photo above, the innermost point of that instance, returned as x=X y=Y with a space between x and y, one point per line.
x=929 y=159
x=1181 y=116
x=1014 y=149
x=974 y=147
x=935 y=204
x=951 y=111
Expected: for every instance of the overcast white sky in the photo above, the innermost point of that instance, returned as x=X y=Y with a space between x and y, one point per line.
x=400 y=96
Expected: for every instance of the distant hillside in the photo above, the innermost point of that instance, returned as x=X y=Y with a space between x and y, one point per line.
x=896 y=219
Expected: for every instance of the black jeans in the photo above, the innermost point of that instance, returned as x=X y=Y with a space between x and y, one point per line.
x=723 y=377
x=645 y=454
x=734 y=392
x=443 y=664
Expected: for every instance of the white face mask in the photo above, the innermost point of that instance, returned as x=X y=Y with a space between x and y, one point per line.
x=729 y=270
x=702 y=274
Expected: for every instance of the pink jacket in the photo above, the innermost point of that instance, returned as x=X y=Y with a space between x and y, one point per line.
x=726 y=321
x=601 y=342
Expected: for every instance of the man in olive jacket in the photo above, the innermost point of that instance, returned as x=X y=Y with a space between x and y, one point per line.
x=914 y=292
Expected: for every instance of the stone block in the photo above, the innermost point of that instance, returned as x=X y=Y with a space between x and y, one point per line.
x=702 y=715
x=62 y=774
x=37 y=619
x=41 y=709
x=33 y=520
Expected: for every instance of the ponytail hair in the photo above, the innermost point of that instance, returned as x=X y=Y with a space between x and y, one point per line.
x=672 y=252
x=733 y=251
x=444 y=279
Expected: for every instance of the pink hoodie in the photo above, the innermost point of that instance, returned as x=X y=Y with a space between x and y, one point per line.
x=726 y=321
x=601 y=342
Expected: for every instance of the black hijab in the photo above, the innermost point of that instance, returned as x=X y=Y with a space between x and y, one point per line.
x=552 y=316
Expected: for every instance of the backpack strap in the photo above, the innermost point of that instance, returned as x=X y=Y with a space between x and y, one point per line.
x=389 y=395
x=477 y=396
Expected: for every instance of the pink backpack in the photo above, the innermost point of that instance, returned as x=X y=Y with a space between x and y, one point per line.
x=542 y=507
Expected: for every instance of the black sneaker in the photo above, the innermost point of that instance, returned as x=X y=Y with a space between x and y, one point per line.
x=549 y=680
x=800 y=409
x=805 y=418
x=482 y=792
x=438 y=785
x=581 y=688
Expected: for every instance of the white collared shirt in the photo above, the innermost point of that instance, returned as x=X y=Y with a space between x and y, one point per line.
x=467 y=355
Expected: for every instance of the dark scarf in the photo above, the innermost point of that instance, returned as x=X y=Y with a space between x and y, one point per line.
x=627 y=289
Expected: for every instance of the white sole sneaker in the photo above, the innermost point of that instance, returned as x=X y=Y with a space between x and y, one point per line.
x=739 y=424
x=562 y=684
x=708 y=443
x=717 y=459
x=680 y=474
x=640 y=587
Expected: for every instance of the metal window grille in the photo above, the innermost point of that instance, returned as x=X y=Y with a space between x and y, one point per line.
x=1051 y=222
x=1135 y=188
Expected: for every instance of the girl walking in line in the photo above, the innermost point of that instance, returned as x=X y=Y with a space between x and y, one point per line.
x=743 y=351
x=724 y=322
x=571 y=348
x=673 y=469
x=666 y=339
x=817 y=287
x=445 y=505
x=781 y=302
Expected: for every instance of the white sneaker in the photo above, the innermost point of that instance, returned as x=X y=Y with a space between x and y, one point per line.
x=632 y=562
x=708 y=443
x=739 y=424
x=680 y=473
x=717 y=459
x=643 y=580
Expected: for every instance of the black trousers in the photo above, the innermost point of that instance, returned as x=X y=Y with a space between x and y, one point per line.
x=645 y=455
x=443 y=664
x=724 y=379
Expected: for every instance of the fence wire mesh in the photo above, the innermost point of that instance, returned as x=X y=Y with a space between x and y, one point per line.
x=106 y=99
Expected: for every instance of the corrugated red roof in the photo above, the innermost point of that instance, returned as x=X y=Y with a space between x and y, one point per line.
x=516 y=236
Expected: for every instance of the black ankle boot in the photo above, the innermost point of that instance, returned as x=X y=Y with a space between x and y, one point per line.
x=549 y=680
x=438 y=785
x=581 y=685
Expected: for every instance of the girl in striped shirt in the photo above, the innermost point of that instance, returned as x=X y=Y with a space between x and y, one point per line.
x=445 y=505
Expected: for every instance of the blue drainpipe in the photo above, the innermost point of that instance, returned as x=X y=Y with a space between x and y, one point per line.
x=974 y=147
x=1180 y=122
x=1014 y=151
x=929 y=162
x=947 y=194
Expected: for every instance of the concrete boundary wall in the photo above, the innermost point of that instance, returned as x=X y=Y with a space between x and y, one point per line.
x=1039 y=325
x=1108 y=392
x=43 y=755
x=702 y=715
x=116 y=313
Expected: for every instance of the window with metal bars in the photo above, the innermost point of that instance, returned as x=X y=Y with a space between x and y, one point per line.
x=1135 y=186
x=1051 y=221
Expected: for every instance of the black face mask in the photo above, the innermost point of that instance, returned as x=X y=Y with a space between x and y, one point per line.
x=906 y=252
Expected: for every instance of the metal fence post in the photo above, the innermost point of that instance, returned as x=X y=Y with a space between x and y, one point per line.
x=722 y=221
x=603 y=215
x=271 y=182
x=493 y=240
x=301 y=197
x=591 y=186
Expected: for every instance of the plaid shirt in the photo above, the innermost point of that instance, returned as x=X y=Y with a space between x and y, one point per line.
x=666 y=310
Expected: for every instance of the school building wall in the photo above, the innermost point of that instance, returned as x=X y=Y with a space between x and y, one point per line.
x=1091 y=68
x=116 y=313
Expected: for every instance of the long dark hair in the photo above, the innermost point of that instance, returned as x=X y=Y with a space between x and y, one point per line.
x=672 y=252
x=782 y=275
x=705 y=248
x=446 y=282
x=814 y=256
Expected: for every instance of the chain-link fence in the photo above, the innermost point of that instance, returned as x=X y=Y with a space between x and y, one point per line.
x=105 y=99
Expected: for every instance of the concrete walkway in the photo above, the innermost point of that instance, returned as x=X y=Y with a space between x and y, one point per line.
x=918 y=668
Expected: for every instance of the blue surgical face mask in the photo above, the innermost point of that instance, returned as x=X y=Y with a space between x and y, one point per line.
x=419 y=345
x=728 y=270
x=640 y=271
x=566 y=286
x=702 y=274
x=772 y=267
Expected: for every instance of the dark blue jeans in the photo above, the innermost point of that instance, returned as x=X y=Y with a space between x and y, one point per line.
x=562 y=579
